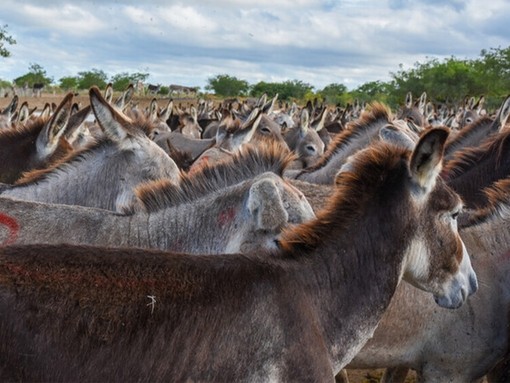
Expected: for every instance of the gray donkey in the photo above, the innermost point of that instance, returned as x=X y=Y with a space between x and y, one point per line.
x=104 y=174
x=230 y=206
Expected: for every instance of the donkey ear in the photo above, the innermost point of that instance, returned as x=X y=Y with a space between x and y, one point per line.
x=11 y=108
x=251 y=124
x=53 y=129
x=426 y=159
x=108 y=93
x=153 y=110
x=409 y=100
x=503 y=114
x=266 y=206
x=109 y=119
x=395 y=136
x=76 y=120
x=123 y=101
x=24 y=113
x=305 y=121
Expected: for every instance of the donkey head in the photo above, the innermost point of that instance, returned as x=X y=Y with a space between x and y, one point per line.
x=272 y=204
x=139 y=158
x=428 y=263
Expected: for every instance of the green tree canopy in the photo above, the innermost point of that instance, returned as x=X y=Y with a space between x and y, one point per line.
x=68 y=83
x=227 y=86
x=36 y=75
x=334 y=93
x=5 y=38
x=122 y=80
x=448 y=80
x=494 y=70
x=92 y=77
x=287 y=90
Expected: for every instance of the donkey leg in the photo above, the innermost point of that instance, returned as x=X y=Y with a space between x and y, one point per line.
x=395 y=375
x=342 y=377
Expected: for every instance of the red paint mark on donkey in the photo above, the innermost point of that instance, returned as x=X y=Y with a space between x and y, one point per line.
x=13 y=227
x=226 y=216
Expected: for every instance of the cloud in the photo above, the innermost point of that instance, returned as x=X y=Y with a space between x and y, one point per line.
x=318 y=42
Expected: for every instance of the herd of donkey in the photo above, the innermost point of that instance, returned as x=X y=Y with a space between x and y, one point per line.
x=253 y=241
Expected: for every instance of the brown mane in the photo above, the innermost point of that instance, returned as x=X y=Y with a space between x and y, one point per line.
x=466 y=132
x=377 y=111
x=246 y=163
x=372 y=176
x=38 y=175
x=497 y=194
x=468 y=157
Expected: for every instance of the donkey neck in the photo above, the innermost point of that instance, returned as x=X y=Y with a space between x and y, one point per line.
x=93 y=178
x=356 y=270
x=203 y=226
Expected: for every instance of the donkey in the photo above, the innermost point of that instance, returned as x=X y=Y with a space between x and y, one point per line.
x=232 y=206
x=104 y=174
x=297 y=313
x=358 y=135
x=305 y=141
x=478 y=131
x=35 y=145
x=243 y=217
x=454 y=346
x=476 y=168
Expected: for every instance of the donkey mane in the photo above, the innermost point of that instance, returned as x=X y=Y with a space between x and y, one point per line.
x=246 y=163
x=139 y=122
x=32 y=127
x=39 y=175
x=466 y=133
x=354 y=129
x=376 y=173
x=497 y=195
x=466 y=158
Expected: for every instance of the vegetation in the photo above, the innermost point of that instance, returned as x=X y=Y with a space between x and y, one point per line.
x=5 y=38
x=121 y=81
x=227 y=86
x=450 y=80
x=36 y=75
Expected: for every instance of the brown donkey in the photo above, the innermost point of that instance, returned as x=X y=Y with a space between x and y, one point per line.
x=299 y=313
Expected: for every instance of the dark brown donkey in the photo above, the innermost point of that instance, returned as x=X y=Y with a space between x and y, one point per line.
x=35 y=145
x=299 y=313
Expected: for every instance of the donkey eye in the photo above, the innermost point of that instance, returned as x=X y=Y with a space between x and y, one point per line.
x=455 y=215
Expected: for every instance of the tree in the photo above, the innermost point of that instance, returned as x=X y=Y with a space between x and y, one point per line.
x=68 y=83
x=227 y=86
x=5 y=38
x=122 y=80
x=333 y=93
x=494 y=69
x=287 y=90
x=93 y=77
x=36 y=75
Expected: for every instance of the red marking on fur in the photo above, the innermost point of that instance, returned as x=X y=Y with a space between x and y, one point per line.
x=226 y=216
x=13 y=227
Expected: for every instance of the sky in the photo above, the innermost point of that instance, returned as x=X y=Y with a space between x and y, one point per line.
x=318 y=42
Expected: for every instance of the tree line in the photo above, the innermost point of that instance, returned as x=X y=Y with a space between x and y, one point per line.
x=447 y=81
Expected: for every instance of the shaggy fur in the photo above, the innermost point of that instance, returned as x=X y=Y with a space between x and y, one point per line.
x=244 y=164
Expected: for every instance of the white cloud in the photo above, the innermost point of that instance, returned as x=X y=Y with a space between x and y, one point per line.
x=318 y=42
x=66 y=19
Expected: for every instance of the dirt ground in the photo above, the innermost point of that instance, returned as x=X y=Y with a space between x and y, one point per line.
x=355 y=376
